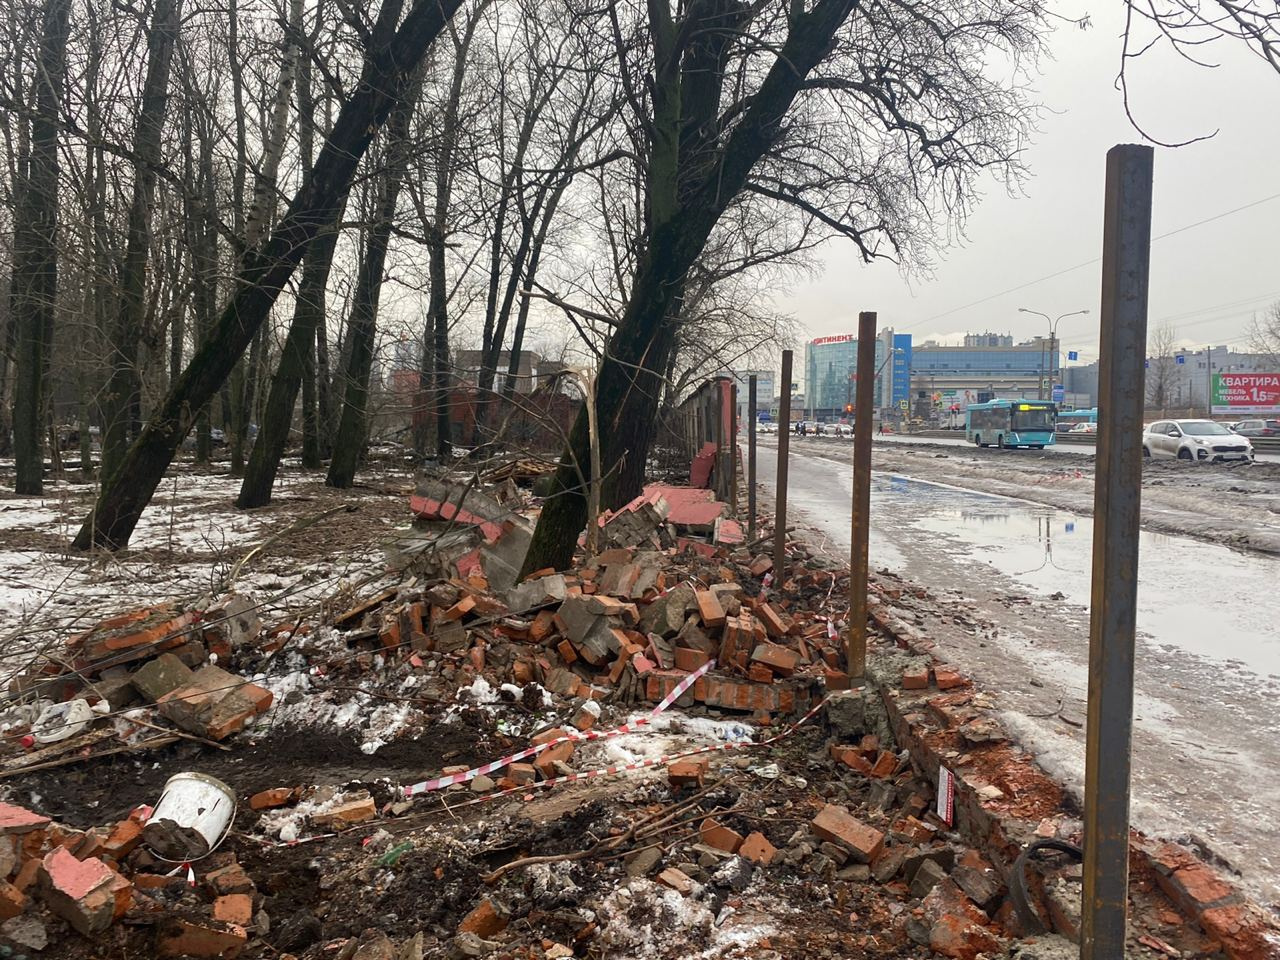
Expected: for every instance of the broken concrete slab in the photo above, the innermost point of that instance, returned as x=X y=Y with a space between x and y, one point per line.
x=88 y=894
x=162 y=675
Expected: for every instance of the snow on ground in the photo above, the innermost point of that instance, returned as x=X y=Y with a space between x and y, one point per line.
x=185 y=547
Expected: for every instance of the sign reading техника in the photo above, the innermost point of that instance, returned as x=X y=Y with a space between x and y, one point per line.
x=1246 y=393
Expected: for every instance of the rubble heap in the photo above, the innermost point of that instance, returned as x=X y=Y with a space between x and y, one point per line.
x=760 y=837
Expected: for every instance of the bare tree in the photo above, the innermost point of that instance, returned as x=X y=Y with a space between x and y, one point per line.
x=1264 y=334
x=1161 y=347
x=390 y=56
x=1191 y=28
x=123 y=400
x=35 y=258
x=871 y=118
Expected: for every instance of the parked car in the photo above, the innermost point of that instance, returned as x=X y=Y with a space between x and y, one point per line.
x=766 y=426
x=1198 y=440
x=1257 y=428
x=1084 y=428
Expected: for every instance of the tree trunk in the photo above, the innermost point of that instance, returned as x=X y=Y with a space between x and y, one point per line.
x=687 y=191
x=35 y=256
x=273 y=432
x=316 y=295
x=124 y=385
x=362 y=327
x=389 y=61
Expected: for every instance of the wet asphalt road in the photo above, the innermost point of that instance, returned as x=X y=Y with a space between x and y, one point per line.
x=1206 y=734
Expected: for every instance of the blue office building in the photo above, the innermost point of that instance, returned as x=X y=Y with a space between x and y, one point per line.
x=831 y=362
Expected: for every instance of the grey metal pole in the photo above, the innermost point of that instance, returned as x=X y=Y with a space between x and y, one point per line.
x=864 y=402
x=1126 y=254
x=784 y=450
x=751 y=458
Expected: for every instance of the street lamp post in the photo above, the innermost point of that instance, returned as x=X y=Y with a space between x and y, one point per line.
x=1053 y=344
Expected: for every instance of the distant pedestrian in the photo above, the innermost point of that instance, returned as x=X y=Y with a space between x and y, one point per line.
x=880 y=429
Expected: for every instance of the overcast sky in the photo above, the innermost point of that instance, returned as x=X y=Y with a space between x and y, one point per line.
x=1206 y=282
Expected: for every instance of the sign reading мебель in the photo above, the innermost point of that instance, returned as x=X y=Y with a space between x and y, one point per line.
x=1246 y=393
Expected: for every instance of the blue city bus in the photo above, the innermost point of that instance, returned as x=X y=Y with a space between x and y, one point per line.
x=1011 y=423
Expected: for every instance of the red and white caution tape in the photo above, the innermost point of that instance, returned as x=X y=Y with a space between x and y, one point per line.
x=618 y=769
x=440 y=783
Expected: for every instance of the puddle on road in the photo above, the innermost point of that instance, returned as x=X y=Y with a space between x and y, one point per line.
x=1202 y=598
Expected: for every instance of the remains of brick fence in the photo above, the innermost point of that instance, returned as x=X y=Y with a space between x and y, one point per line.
x=841 y=813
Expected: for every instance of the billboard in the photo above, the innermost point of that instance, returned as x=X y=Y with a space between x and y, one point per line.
x=1246 y=393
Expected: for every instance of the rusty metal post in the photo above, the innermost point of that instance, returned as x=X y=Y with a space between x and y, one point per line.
x=784 y=450
x=751 y=458
x=863 y=405
x=1126 y=255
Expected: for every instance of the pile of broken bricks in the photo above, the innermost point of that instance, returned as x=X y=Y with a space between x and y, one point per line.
x=164 y=659
x=90 y=879
x=622 y=627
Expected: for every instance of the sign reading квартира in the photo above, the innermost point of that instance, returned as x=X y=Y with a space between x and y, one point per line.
x=1246 y=393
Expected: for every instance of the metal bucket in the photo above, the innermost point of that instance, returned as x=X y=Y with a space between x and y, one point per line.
x=192 y=817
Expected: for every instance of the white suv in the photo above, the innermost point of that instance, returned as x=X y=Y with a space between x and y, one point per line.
x=1197 y=440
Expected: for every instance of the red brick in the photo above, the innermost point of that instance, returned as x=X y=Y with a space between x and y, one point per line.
x=836 y=824
x=962 y=939
x=687 y=773
x=28 y=873
x=353 y=811
x=915 y=678
x=88 y=894
x=389 y=635
x=542 y=625
x=124 y=838
x=228 y=880
x=757 y=848
x=772 y=620
x=205 y=938
x=234 y=908
x=759 y=673
x=781 y=660
x=715 y=834
x=884 y=766
x=18 y=820
x=522 y=773
x=484 y=921
x=584 y=719
x=567 y=653
x=546 y=761
x=853 y=759
x=269 y=799
x=12 y=900
x=760 y=566
x=677 y=880
x=709 y=609
x=912 y=830
x=459 y=609
x=949 y=679
x=835 y=679
x=690 y=660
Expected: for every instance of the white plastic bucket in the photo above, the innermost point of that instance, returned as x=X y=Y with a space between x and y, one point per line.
x=196 y=802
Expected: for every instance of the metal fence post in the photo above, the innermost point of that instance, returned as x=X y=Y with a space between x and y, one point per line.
x=784 y=450
x=751 y=458
x=864 y=402
x=1126 y=254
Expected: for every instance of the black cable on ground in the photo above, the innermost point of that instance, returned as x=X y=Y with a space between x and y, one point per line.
x=1018 y=891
